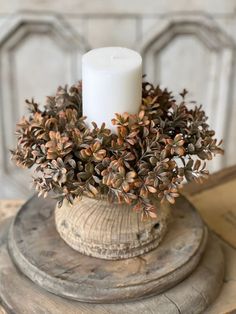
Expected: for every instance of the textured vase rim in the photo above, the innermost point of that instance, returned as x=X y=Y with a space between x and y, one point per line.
x=104 y=197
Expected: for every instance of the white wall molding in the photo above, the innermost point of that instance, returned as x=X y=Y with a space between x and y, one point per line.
x=184 y=44
x=220 y=48
x=19 y=33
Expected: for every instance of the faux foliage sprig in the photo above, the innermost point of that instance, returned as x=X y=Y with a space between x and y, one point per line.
x=148 y=157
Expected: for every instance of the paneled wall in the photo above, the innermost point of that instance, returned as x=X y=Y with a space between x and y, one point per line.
x=183 y=43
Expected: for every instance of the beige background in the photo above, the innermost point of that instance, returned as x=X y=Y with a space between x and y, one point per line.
x=183 y=43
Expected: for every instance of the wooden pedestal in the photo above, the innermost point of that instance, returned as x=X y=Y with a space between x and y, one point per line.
x=183 y=275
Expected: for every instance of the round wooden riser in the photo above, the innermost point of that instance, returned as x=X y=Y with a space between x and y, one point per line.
x=46 y=259
x=193 y=295
x=183 y=275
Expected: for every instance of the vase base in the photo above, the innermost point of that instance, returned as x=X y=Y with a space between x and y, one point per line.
x=40 y=253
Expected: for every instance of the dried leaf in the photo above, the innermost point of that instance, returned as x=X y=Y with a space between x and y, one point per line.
x=149 y=156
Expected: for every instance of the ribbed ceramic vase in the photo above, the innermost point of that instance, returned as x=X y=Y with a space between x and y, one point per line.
x=114 y=231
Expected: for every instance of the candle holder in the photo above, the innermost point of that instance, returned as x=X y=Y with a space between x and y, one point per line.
x=94 y=227
x=111 y=236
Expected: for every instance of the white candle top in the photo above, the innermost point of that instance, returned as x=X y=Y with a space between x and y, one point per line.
x=112 y=59
x=112 y=83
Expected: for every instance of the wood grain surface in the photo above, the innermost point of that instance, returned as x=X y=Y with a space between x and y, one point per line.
x=46 y=259
x=101 y=229
x=216 y=201
x=20 y=295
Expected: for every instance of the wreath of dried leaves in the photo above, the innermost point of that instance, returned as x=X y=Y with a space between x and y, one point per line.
x=150 y=156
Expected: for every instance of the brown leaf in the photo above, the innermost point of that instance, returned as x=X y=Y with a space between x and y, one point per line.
x=151 y=189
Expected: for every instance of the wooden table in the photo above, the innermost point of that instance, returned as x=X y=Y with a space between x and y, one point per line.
x=216 y=201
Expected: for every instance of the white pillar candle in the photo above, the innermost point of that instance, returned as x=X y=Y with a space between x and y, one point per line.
x=112 y=83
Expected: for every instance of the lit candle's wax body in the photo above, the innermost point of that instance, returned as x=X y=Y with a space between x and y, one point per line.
x=112 y=83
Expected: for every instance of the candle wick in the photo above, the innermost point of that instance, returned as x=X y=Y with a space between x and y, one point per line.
x=113 y=57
